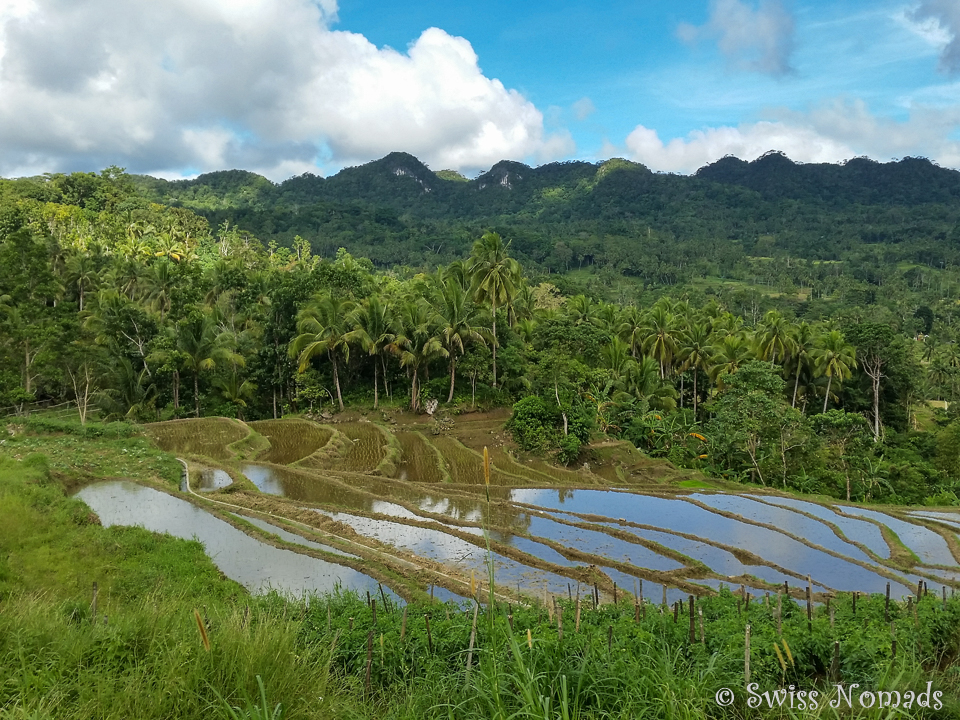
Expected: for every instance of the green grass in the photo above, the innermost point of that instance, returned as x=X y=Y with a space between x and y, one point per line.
x=697 y=484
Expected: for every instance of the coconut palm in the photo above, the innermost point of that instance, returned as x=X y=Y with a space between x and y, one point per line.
x=372 y=323
x=695 y=352
x=728 y=355
x=323 y=326
x=803 y=344
x=633 y=329
x=203 y=346
x=495 y=278
x=773 y=338
x=82 y=272
x=661 y=340
x=417 y=343
x=458 y=322
x=159 y=284
x=835 y=358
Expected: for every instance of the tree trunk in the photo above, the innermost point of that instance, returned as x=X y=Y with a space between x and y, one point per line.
x=336 y=379
x=826 y=398
x=453 y=375
x=694 y=393
x=274 y=403
x=414 y=404
x=796 y=384
x=494 y=344
x=376 y=388
x=196 y=392
x=176 y=393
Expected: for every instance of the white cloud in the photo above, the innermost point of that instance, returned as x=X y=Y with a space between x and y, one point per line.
x=266 y=84
x=832 y=132
x=583 y=108
x=939 y=22
x=758 y=39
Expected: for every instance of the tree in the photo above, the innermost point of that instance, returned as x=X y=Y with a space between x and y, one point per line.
x=752 y=417
x=459 y=322
x=323 y=328
x=203 y=347
x=873 y=342
x=495 y=277
x=372 y=323
x=417 y=343
x=773 y=338
x=661 y=340
x=835 y=358
x=695 y=353
x=843 y=432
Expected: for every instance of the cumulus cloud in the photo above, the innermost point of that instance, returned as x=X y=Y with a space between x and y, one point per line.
x=939 y=20
x=758 y=39
x=832 y=132
x=259 y=84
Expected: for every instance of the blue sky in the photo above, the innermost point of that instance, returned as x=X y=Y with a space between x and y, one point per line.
x=177 y=87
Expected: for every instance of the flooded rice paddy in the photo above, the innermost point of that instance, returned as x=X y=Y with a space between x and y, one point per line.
x=411 y=494
x=257 y=566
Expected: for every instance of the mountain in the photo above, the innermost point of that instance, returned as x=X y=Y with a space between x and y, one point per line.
x=396 y=210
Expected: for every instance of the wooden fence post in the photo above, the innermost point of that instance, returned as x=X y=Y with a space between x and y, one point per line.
x=746 y=656
x=429 y=635
x=693 y=628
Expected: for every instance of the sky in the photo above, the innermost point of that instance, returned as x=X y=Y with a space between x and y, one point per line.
x=175 y=88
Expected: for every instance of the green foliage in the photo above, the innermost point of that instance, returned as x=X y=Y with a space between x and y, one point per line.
x=533 y=424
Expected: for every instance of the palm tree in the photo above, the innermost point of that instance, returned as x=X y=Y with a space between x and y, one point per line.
x=633 y=329
x=83 y=272
x=160 y=282
x=803 y=345
x=835 y=358
x=773 y=337
x=417 y=343
x=459 y=323
x=495 y=276
x=323 y=327
x=203 y=346
x=372 y=323
x=695 y=352
x=728 y=355
x=661 y=343
x=615 y=356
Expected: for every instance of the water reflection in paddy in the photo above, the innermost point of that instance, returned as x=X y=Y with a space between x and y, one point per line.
x=255 y=565
x=438 y=545
x=929 y=546
x=786 y=521
x=600 y=544
x=293 y=537
x=681 y=516
x=860 y=531
x=951 y=519
x=214 y=479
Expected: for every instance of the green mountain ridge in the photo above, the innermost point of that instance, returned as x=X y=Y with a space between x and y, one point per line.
x=616 y=213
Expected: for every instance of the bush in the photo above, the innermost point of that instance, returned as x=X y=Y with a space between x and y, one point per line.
x=533 y=424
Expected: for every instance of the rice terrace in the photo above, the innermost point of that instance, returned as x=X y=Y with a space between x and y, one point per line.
x=549 y=528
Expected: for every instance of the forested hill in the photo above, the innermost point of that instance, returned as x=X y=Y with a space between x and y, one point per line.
x=615 y=214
